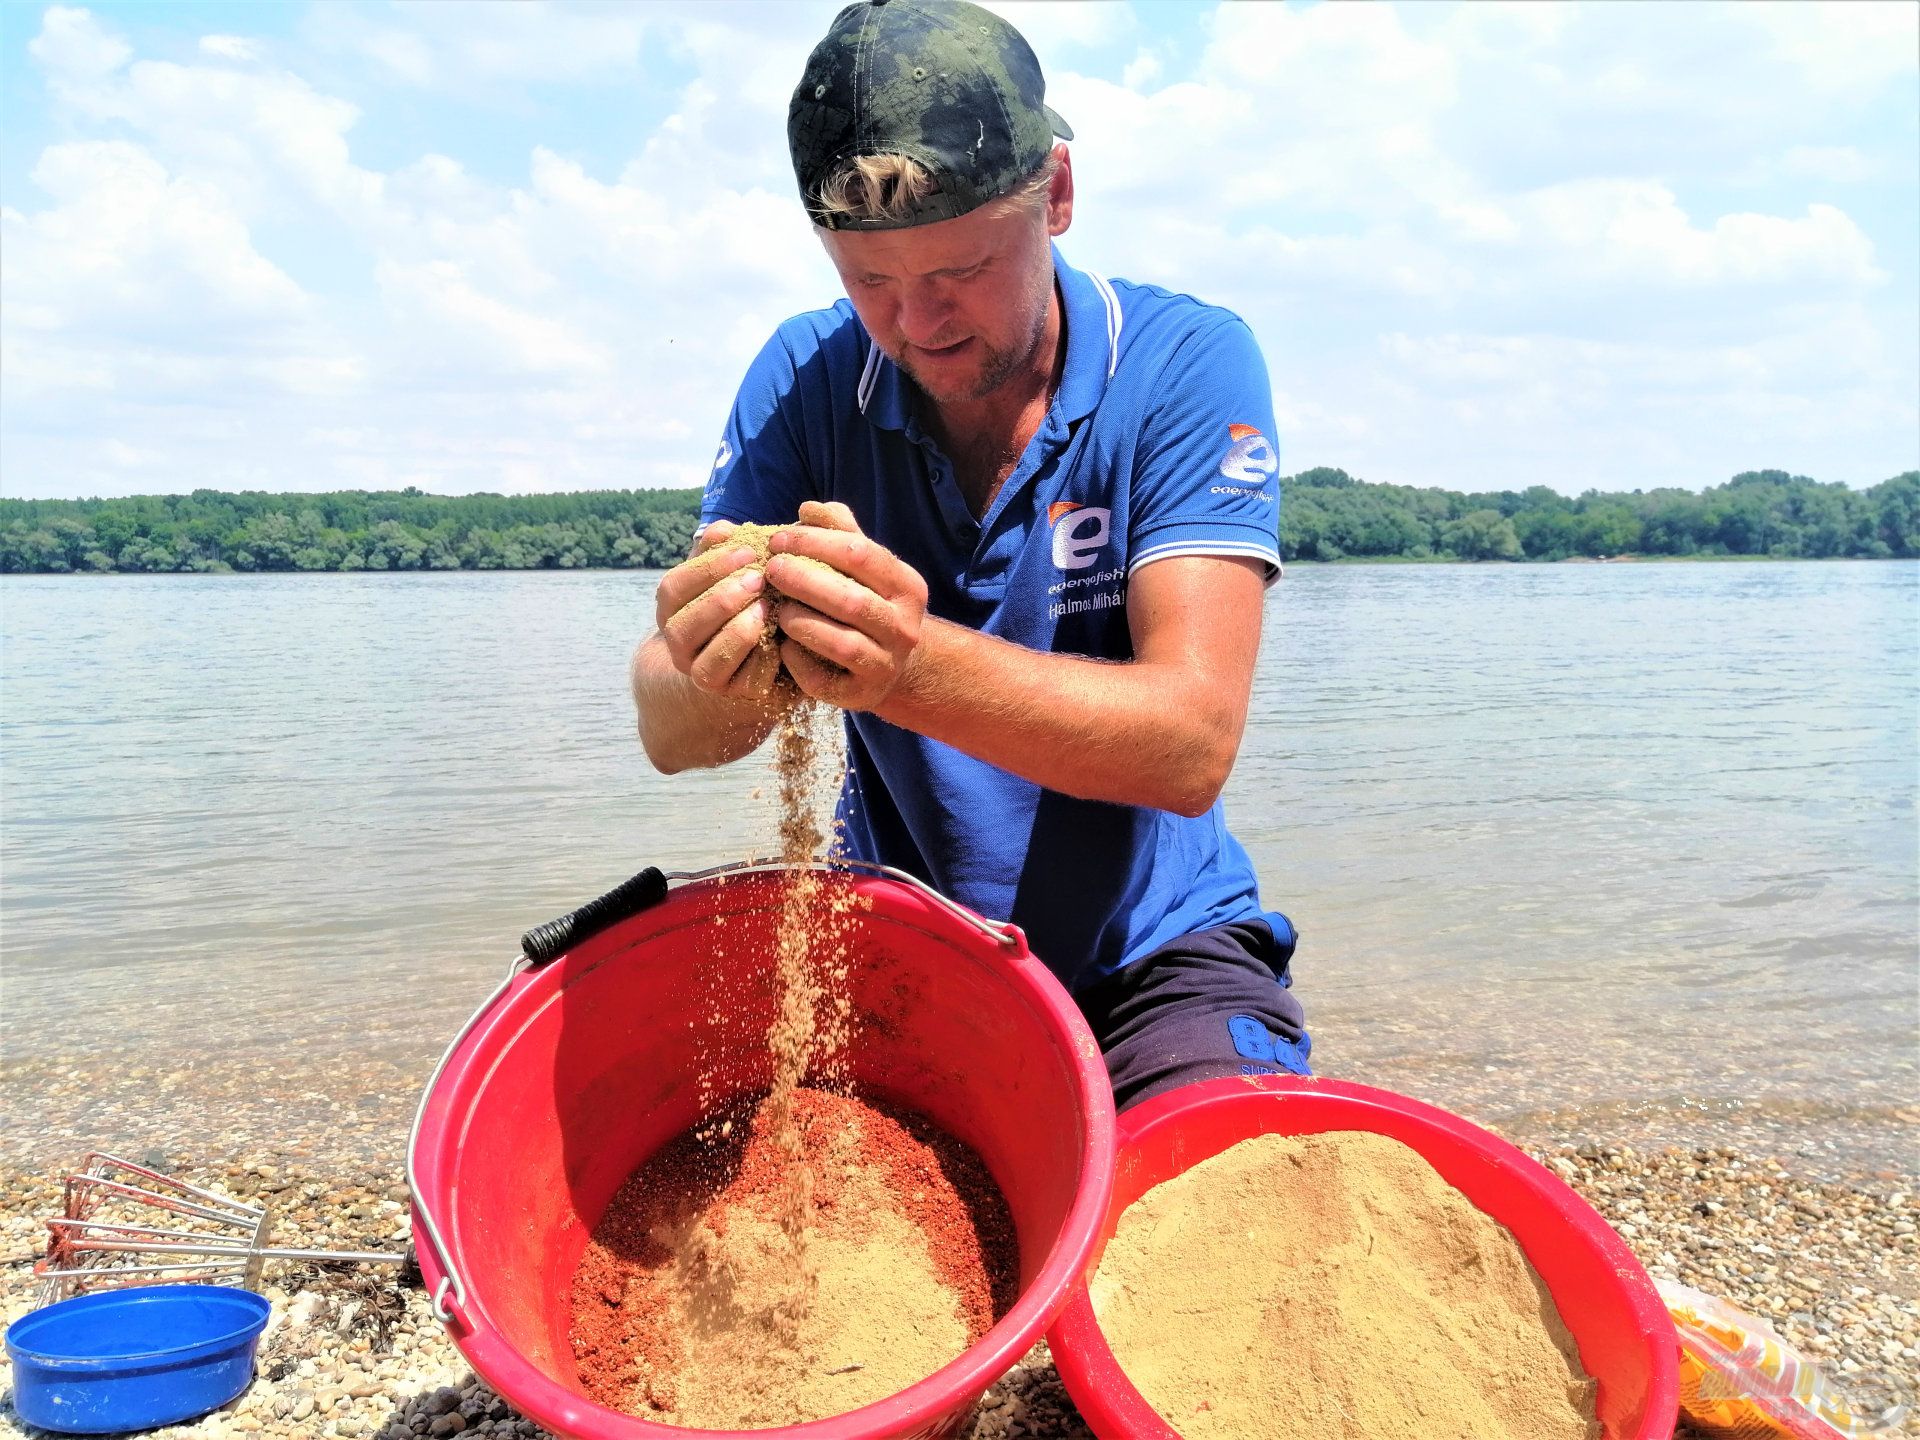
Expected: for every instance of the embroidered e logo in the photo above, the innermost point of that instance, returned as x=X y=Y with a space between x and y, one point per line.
x=1078 y=533
x=1250 y=459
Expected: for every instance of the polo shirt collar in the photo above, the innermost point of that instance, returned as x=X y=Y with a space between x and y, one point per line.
x=1093 y=352
x=1093 y=339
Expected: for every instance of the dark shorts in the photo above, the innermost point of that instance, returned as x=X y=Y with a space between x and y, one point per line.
x=1208 y=1004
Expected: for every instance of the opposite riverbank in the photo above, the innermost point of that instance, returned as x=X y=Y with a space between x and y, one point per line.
x=1327 y=514
x=354 y=1354
x=1343 y=562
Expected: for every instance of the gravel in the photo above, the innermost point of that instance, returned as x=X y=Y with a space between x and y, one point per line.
x=355 y=1353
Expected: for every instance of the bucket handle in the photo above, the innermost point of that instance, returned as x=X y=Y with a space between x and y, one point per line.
x=545 y=943
x=451 y=1285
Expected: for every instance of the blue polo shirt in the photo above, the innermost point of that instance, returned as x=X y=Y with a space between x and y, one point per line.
x=1160 y=442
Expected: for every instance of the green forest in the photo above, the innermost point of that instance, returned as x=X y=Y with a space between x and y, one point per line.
x=1326 y=515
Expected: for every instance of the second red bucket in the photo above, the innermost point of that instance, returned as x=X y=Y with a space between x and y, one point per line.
x=1626 y=1340
x=577 y=1070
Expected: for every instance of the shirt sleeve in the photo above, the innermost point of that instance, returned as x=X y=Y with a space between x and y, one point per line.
x=761 y=474
x=1207 y=471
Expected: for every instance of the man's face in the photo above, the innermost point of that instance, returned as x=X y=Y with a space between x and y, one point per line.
x=960 y=305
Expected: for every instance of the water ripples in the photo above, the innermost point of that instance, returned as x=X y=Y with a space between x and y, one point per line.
x=1568 y=841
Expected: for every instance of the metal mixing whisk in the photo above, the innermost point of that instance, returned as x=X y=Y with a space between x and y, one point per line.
x=124 y=1224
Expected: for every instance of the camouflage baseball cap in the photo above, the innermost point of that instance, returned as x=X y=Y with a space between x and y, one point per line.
x=943 y=82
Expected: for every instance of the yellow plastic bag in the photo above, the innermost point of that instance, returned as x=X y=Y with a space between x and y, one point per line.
x=1740 y=1381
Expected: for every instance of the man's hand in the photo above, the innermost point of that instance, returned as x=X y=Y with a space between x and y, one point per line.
x=711 y=615
x=861 y=616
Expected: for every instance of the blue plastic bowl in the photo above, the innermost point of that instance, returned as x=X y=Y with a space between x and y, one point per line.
x=132 y=1359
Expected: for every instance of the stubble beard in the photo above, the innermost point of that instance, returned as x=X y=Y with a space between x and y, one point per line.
x=1001 y=363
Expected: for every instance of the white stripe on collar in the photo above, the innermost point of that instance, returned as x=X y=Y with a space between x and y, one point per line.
x=868 y=376
x=1113 y=320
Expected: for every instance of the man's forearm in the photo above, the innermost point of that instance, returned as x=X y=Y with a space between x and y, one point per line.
x=684 y=727
x=1135 y=733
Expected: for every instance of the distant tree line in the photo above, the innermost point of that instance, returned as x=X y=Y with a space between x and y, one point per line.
x=1329 y=515
x=213 y=531
x=1326 y=515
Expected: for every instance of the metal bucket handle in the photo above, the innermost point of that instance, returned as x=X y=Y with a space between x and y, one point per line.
x=545 y=943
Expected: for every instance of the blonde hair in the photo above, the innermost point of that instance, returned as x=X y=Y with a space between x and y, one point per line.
x=883 y=189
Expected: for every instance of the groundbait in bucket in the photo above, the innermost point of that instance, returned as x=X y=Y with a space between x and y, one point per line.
x=1606 y=1299
x=625 y=1023
x=1741 y=1381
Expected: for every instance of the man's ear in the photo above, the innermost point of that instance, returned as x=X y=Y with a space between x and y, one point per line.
x=1060 y=194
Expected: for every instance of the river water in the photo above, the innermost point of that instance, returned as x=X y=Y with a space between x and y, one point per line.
x=1610 y=852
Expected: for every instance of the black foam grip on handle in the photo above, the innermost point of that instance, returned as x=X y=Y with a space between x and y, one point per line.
x=544 y=942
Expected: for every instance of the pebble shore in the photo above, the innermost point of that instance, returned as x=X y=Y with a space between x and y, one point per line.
x=1834 y=1267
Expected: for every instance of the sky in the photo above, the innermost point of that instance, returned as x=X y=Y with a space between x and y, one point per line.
x=533 y=246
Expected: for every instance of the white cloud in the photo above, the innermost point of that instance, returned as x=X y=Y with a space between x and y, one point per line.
x=254 y=134
x=467 y=46
x=752 y=240
x=1837 y=164
x=1636 y=230
x=328 y=375
x=1331 y=109
x=1507 y=28
x=1479 y=220
x=481 y=327
x=1466 y=236
x=601 y=293
x=72 y=47
x=1325 y=58
x=127 y=250
x=1054 y=29
x=1841 y=45
x=230 y=47
x=405 y=55
x=1145 y=68
x=1654 y=411
x=128 y=457
x=1830 y=346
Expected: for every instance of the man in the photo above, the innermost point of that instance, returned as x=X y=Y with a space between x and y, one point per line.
x=1047 y=507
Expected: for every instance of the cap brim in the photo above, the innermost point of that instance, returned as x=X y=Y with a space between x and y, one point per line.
x=1060 y=127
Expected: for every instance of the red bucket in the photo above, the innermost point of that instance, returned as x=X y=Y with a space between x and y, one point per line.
x=1627 y=1342
x=576 y=1071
